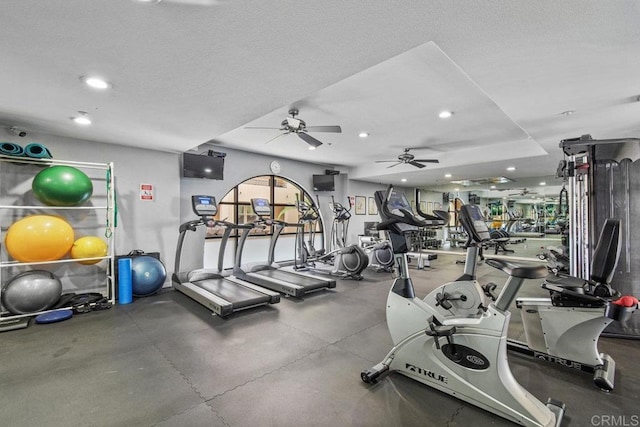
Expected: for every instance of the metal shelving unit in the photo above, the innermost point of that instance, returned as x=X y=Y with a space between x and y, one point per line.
x=14 y=180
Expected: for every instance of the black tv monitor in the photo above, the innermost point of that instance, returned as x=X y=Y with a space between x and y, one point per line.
x=202 y=166
x=324 y=183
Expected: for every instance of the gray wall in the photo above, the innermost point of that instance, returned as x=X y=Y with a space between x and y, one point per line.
x=150 y=226
x=153 y=226
x=242 y=165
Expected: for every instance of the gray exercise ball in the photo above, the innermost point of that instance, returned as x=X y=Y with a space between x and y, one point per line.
x=31 y=291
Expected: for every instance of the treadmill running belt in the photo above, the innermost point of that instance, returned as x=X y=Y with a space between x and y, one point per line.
x=238 y=295
x=298 y=279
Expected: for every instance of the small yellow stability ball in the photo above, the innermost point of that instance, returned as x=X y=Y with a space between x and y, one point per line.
x=89 y=247
x=39 y=238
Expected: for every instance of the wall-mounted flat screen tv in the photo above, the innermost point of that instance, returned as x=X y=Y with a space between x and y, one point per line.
x=324 y=183
x=202 y=166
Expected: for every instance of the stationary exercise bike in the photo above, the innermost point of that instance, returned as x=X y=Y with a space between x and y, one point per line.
x=347 y=262
x=462 y=355
x=564 y=328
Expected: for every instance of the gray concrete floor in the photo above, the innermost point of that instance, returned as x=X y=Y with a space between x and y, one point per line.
x=166 y=361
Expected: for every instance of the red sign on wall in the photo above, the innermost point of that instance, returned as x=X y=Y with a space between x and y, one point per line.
x=146 y=192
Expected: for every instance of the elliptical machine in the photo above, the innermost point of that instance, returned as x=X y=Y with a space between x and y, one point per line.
x=463 y=355
x=379 y=252
x=347 y=262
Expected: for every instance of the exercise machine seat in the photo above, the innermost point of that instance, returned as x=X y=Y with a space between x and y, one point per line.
x=568 y=290
x=524 y=271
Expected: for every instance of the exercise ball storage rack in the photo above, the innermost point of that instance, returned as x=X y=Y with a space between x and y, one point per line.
x=14 y=179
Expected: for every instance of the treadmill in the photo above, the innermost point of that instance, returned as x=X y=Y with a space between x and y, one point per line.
x=270 y=275
x=215 y=289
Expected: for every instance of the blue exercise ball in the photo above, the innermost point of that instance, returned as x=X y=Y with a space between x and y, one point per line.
x=147 y=275
x=31 y=292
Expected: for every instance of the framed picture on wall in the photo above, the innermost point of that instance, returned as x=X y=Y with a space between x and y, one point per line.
x=373 y=208
x=361 y=205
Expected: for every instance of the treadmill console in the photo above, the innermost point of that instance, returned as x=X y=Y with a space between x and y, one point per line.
x=396 y=204
x=473 y=222
x=261 y=207
x=204 y=205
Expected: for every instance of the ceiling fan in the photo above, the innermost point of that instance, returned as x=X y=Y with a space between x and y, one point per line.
x=523 y=192
x=407 y=158
x=292 y=124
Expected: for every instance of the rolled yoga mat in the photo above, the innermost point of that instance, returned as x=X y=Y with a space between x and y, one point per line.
x=11 y=149
x=37 y=151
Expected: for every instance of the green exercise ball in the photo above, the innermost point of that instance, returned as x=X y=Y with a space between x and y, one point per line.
x=62 y=186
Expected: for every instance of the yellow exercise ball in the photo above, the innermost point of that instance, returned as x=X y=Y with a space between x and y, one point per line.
x=39 y=238
x=89 y=247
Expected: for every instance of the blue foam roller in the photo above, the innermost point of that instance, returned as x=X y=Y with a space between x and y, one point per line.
x=54 y=316
x=11 y=149
x=125 y=285
x=37 y=151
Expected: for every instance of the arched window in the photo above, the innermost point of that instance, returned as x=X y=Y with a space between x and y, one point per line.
x=282 y=194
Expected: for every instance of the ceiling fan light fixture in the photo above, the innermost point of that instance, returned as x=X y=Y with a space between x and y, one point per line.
x=445 y=114
x=568 y=112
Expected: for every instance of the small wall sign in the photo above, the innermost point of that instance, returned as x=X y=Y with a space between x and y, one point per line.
x=146 y=192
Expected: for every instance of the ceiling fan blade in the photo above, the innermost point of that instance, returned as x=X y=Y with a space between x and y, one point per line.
x=385 y=161
x=398 y=163
x=309 y=139
x=426 y=160
x=334 y=129
x=416 y=164
x=260 y=127
x=276 y=137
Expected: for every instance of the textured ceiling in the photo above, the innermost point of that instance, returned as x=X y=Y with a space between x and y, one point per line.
x=189 y=71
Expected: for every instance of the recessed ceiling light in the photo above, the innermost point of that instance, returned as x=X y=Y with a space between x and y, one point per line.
x=404 y=180
x=447 y=175
x=456 y=189
x=311 y=147
x=568 y=112
x=445 y=114
x=95 y=82
x=208 y=170
x=81 y=118
x=543 y=183
x=492 y=187
x=511 y=168
x=363 y=134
